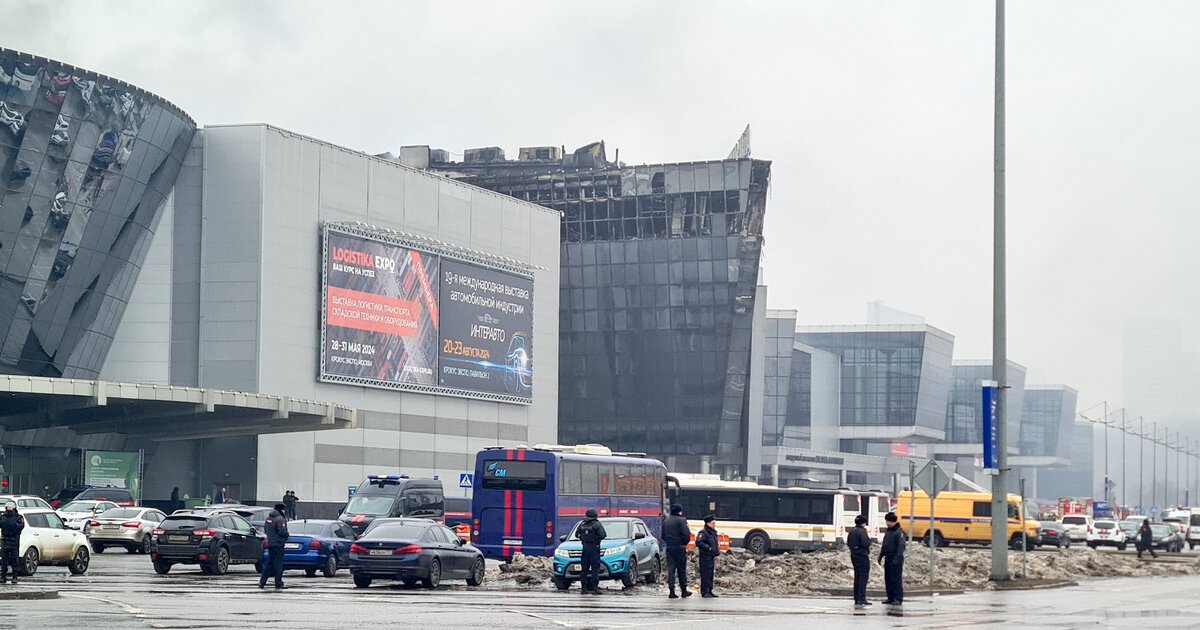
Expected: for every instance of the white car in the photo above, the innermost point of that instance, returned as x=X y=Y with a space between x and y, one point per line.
x=1079 y=526
x=1107 y=533
x=46 y=541
x=24 y=501
x=76 y=514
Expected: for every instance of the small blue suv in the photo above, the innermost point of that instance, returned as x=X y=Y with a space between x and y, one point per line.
x=628 y=553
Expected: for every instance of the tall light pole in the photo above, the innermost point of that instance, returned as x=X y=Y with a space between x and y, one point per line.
x=1142 y=465
x=1153 y=463
x=1178 y=477
x=1106 y=452
x=999 y=319
x=1124 y=479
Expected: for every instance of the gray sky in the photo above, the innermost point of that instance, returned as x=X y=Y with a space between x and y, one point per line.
x=877 y=116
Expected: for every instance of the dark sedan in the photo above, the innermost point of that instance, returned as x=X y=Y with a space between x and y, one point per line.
x=212 y=540
x=409 y=550
x=1054 y=535
x=315 y=545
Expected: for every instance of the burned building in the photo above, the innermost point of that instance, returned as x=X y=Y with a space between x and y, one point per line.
x=659 y=268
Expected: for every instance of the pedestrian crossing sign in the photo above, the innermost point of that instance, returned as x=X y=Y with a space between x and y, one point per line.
x=466 y=480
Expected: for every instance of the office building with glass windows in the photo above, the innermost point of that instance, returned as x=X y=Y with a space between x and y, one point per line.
x=1046 y=436
x=964 y=415
x=658 y=293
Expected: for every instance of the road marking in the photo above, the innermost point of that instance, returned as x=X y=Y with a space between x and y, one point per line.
x=543 y=618
x=128 y=608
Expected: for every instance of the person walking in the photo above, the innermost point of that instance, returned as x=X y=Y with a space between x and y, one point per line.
x=1146 y=539
x=891 y=556
x=277 y=534
x=289 y=500
x=676 y=537
x=11 y=524
x=709 y=546
x=859 y=543
x=591 y=533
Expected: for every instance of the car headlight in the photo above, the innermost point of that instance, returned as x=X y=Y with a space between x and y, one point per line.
x=561 y=553
x=612 y=551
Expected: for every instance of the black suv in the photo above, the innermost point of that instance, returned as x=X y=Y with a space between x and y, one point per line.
x=213 y=540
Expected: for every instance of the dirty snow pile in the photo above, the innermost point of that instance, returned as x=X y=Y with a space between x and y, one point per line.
x=813 y=573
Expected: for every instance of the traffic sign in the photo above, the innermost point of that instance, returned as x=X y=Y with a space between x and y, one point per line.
x=466 y=480
x=932 y=479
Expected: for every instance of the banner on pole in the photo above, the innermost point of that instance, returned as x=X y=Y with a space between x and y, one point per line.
x=991 y=426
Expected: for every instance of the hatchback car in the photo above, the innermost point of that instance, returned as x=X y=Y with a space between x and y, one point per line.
x=120 y=496
x=46 y=541
x=130 y=528
x=1107 y=533
x=628 y=553
x=213 y=540
x=315 y=545
x=76 y=514
x=409 y=550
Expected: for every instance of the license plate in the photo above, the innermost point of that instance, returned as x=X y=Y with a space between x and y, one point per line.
x=179 y=539
x=574 y=568
x=381 y=552
x=514 y=542
x=291 y=545
x=108 y=526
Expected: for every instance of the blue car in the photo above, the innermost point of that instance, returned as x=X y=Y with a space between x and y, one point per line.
x=628 y=553
x=316 y=545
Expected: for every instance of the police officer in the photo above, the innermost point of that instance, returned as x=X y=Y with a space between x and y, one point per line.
x=676 y=537
x=891 y=555
x=591 y=533
x=709 y=547
x=277 y=534
x=11 y=524
x=859 y=543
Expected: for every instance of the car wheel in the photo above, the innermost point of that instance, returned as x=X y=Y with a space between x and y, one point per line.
x=435 y=574
x=1122 y=547
x=161 y=567
x=29 y=563
x=1017 y=542
x=220 y=562
x=331 y=566
x=476 y=576
x=98 y=548
x=561 y=583
x=758 y=544
x=362 y=581
x=310 y=572
x=79 y=563
x=655 y=569
x=630 y=575
x=145 y=548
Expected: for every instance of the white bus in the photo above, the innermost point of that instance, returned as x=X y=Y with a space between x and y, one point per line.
x=766 y=518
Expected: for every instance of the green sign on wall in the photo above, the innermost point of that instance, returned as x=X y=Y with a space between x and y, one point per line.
x=113 y=469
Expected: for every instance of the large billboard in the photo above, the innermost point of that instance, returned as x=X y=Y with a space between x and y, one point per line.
x=404 y=317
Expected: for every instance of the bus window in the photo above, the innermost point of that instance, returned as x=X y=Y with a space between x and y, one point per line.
x=794 y=509
x=759 y=506
x=606 y=478
x=570 y=478
x=821 y=509
x=883 y=505
x=591 y=478
x=624 y=481
x=514 y=475
x=850 y=503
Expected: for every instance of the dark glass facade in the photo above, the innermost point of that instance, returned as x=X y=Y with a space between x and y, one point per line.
x=88 y=164
x=659 y=269
x=964 y=412
x=1047 y=422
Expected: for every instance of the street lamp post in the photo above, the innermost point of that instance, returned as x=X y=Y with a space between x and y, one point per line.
x=1141 y=464
x=1153 y=462
x=999 y=569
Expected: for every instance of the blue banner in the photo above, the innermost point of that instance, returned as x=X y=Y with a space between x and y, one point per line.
x=991 y=421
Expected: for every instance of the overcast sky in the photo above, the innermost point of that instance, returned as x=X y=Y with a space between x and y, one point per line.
x=877 y=117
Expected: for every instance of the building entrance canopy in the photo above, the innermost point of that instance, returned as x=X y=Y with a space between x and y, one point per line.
x=157 y=412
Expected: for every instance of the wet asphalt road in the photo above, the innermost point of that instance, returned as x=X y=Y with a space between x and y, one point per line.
x=122 y=591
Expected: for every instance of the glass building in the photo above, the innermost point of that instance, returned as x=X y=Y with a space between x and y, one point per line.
x=1079 y=478
x=659 y=270
x=964 y=416
x=895 y=381
x=1046 y=437
x=88 y=164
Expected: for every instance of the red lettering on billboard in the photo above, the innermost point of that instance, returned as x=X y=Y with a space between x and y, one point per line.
x=353 y=257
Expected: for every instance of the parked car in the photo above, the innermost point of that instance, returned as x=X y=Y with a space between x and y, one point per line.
x=1079 y=526
x=393 y=496
x=1054 y=534
x=68 y=494
x=412 y=549
x=1166 y=537
x=1130 y=527
x=628 y=553
x=315 y=545
x=213 y=540
x=120 y=496
x=47 y=541
x=256 y=515
x=1179 y=536
x=128 y=527
x=1107 y=533
x=77 y=513
x=25 y=501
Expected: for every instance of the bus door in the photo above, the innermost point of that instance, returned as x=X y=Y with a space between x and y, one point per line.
x=846 y=506
x=519 y=522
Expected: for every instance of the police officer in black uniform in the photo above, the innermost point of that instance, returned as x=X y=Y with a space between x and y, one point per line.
x=859 y=543
x=709 y=546
x=891 y=555
x=676 y=537
x=11 y=524
x=591 y=533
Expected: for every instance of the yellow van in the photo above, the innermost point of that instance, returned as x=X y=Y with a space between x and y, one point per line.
x=962 y=517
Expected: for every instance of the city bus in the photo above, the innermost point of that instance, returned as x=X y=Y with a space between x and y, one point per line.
x=766 y=518
x=526 y=497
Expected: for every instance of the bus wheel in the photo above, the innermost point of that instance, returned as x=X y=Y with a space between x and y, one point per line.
x=758 y=544
x=561 y=583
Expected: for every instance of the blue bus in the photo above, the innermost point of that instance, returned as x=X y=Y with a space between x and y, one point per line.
x=525 y=498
